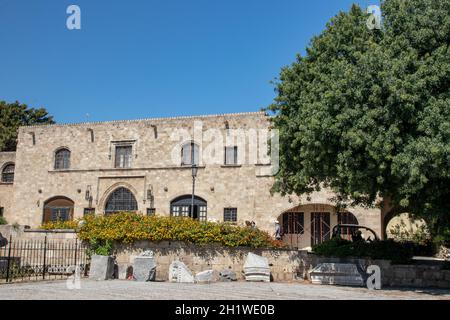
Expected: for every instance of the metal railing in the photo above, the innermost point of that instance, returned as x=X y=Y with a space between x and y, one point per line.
x=41 y=259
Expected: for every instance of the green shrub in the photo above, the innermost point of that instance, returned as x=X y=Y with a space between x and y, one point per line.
x=130 y=227
x=3 y=221
x=397 y=252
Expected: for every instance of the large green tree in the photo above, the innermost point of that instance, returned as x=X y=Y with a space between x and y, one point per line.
x=14 y=115
x=367 y=112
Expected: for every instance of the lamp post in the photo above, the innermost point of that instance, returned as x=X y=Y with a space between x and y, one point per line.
x=194 y=175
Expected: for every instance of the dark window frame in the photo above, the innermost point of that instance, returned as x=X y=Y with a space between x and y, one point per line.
x=62 y=159
x=88 y=211
x=7 y=173
x=121 y=200
x=293 y=222
x=151 y=211
x=230 y=214
x=2 y=211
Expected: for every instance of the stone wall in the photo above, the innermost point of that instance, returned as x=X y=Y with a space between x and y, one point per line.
x=285 y=265
x=6 y=189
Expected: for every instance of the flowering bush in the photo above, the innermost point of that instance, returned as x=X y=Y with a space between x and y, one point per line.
x=63 y=225
x=130 y=227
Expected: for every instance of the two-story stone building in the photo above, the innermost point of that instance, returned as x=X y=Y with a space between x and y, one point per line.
x=66 y=171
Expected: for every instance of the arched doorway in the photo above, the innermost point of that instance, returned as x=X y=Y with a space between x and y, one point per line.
x=58 y=209
x=121 y=200
x=181 y=207
x=307 y=225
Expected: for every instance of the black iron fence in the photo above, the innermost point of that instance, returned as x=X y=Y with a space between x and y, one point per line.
x=42 y=259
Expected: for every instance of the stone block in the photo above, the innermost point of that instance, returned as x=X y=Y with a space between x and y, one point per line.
x=346 y=274
x=227 y=275
x=205 y=276
x=102 y=268
x=179 y=272
x=144 y=269
x=256 y=268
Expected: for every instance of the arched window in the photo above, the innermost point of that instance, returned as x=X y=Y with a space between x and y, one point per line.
x=121 y=199
x=62 y=159
x=347 y=218
x=8 y=173
x=58 y=209
x=190 y=154
x=182 y=207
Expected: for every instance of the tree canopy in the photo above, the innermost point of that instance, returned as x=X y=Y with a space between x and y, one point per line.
x=367 y=112
x=14 y=115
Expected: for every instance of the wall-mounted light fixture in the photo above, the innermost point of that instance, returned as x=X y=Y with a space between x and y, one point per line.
x=88 y=195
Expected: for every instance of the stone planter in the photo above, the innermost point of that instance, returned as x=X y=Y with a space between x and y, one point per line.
x=102 y=268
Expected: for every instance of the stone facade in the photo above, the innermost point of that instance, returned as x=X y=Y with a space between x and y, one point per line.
x=156 y=176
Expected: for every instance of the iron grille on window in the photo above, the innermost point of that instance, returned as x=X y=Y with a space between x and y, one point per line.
x=8 y=173
x=60 y=214
x=121 y=200
x=190 y=154
x=231 y=155
x=151 y=211
x=123 y=156
x=62 y=159
x=293 y=223
x=230 y=214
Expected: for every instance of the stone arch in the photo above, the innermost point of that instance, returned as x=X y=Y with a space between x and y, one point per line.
x=6 y=173
x=111 y=189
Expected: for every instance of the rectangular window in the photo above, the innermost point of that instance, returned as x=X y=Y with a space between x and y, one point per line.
x=60 y=214
x=231 y=155
x=293 y=223
x=151 y=211
x=1 y=211
x=88 y=211
x=202 y=213
x=230 y=214
x=123 y=156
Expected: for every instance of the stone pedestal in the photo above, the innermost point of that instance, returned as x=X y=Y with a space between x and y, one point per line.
x=344 y=274
x=256 y=268
x=144 y=269
x=102 y=268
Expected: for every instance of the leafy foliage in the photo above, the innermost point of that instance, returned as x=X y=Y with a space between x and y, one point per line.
x=130 y=227
x=62 y=225
x=100 y=248
x=366 y=112
x=14 y=115
x=397 y=252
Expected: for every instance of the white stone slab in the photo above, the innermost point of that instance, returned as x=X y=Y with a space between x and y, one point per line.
x=179 y=272
x=344 y=274
x=256 y=268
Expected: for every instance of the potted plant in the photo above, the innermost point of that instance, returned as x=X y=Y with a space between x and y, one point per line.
x=102 y=262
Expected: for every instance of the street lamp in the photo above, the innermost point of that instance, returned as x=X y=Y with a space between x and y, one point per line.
x=194 y=175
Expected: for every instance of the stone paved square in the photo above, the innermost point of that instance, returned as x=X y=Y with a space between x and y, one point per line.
x=132 y=290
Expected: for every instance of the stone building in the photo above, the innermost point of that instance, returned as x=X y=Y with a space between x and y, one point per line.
x=66 y=171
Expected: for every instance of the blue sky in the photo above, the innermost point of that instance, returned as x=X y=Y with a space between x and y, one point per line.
x=152 y=58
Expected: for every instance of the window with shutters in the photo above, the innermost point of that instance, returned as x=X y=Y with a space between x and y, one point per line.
x=231 y=155
x=124 y=156
x=190 y=154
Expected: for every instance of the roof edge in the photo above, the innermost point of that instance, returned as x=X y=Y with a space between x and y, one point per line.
x=146 y=119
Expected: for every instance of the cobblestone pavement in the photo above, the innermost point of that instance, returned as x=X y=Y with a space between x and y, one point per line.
x=127 y=290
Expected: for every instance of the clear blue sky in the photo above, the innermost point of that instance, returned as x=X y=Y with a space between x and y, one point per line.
x=151 y=58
